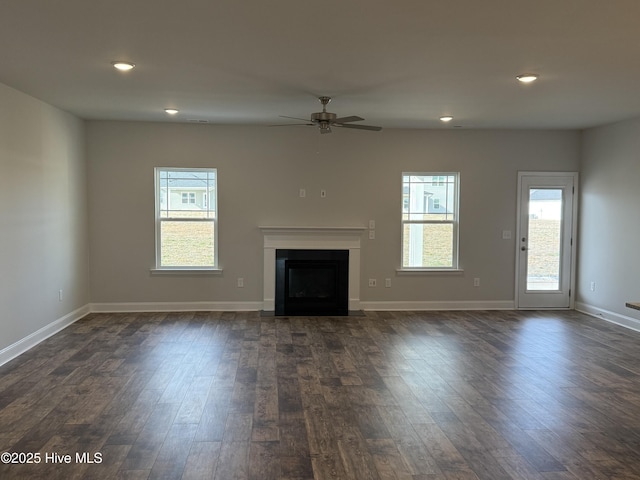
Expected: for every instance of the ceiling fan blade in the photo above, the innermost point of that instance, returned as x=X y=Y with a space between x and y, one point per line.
x=352 y=118
x=294 y=118
x=362 y=127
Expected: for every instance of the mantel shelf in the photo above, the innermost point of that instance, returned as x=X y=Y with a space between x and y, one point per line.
x=635 y=305
x=308 y=229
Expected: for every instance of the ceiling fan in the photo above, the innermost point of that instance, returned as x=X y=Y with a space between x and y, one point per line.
x=325 y=120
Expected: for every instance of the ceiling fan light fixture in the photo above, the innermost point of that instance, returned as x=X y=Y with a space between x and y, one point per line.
x=446 y=118
x=171 y=111
x=325 y=127
x=527 y=77
x=123 y=66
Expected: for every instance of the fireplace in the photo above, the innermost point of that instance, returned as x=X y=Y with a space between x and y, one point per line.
x=312 y=282
x=311 y=238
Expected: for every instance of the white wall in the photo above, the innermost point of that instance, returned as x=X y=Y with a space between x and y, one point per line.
x=261 y=170
x=43 y=219
x=609 y=222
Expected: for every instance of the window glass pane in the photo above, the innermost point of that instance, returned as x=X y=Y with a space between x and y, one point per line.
x=187 y=194
x=186 y=217
x=428 y=197
x=428 y=245
x=429 y=215
x=187 y=244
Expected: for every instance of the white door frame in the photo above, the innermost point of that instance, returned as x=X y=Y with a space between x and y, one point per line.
x=573 y=228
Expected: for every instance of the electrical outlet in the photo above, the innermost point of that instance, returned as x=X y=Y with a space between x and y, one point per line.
x=372 y=234
x=372 y=282
x=593 y=286
x=476 y=282
x=372 y=224
x=387 y=283
x=303 y=193
x=240 y=282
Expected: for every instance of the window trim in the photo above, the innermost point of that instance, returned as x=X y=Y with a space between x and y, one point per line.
x=455 y=263
x=158 y=269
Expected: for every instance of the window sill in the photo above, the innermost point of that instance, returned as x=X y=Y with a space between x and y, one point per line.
x=429 y=271
x=186 y=271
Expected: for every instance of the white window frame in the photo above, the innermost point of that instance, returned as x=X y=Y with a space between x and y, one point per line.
x=159 y=268
x=455 y=222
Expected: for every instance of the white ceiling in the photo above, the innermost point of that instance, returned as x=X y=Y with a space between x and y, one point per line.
x=398 y=64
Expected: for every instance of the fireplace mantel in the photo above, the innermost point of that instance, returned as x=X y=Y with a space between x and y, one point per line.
x=311 y=238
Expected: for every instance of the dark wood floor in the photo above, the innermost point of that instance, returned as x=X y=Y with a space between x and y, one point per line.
x=420 y=396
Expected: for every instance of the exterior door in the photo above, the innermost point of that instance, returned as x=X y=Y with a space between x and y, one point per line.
x=545 y=242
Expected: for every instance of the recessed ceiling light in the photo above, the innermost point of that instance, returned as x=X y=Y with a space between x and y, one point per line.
x=446 y=118
x=527 y=77
x=123 y=66
x=171 y=111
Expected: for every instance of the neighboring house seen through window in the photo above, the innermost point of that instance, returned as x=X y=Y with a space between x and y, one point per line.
x=430 y=220
x=188 y=197
x=186 y=218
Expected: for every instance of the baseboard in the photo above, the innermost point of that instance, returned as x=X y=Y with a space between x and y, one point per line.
x=259 y=306
x=442 y=305
x=612 y=317
x=176 y=307
x=12 y=351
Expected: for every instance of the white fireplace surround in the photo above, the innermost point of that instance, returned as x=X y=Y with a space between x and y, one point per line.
x=311 y=238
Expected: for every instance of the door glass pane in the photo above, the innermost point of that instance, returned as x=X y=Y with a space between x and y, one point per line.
x=544 y=239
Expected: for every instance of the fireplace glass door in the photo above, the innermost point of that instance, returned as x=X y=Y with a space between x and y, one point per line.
x=312 y=282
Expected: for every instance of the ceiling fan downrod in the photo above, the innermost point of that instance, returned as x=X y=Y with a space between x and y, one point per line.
x=324 y=116
x=324 y=101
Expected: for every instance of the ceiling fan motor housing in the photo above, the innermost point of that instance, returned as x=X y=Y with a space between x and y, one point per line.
x=323 y=117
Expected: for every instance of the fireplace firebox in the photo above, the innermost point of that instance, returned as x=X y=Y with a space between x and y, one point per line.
x=312 y=282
